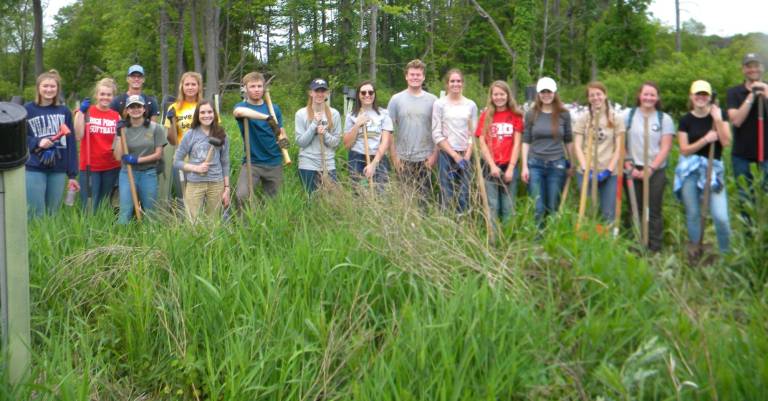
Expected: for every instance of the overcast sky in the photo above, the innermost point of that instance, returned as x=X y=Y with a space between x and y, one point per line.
x=721 y=17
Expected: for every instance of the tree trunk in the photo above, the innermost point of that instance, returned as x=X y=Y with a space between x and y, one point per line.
x=180 y=68
x=212 y=14
x=323 y=21
x=558 y=44
x=164 y=62
x=544 y=38
x=571 y=44
x=296 y=42
x=678 y=42
x=373 y=36
x=37 y=9
x=360 y=42
x=195 y=41
x=269 y=29
x=499 y=33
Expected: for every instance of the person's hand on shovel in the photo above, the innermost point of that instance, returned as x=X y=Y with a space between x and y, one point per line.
x=201 y=168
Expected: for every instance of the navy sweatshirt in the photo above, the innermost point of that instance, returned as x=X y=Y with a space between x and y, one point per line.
x=45 y=122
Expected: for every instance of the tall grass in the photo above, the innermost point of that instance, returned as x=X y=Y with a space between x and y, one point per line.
x=365 y=297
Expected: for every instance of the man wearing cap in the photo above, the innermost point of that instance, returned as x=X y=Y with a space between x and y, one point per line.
x=135 y=81
x=413 y=152
x=743 y=105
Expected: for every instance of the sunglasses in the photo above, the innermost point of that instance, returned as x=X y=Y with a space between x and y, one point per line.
x=367 y=93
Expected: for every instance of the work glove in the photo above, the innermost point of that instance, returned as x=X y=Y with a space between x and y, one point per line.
x=130 y=159
x=48 y=157
x=85 y=104
x=120 y=125
x=601 y=176
x=171 y=114
x=463 y=164
x=282 y=143
x=273 y=124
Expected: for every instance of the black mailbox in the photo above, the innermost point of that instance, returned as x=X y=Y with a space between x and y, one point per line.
x=13 y=136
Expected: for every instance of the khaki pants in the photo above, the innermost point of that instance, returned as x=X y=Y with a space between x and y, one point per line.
x=270 y=178
x=199 y=194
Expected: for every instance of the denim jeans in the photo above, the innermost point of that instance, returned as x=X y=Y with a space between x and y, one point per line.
x=356 y=164
x=718 y=206
x=311 y=179
x=606 y=195
x=454 y=183
x=501 y=196
x=741 y=169
x=102 y=183
x=44 y=192
x=545 y=183
x=146 y=187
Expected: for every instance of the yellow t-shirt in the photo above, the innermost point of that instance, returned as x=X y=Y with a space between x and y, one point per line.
x=184 y=114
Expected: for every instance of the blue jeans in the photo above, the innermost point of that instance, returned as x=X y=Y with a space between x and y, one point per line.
x=606 y=194
x=718 y=206
x=102 y=183
x=545 y=185
x=741 y=169
x=501 y=196
x=356 y=164
x=454 y=183
x=311 y=179
x=146 y=187
x=44 y=192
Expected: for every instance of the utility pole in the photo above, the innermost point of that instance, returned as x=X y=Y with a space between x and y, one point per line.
x=14 y=263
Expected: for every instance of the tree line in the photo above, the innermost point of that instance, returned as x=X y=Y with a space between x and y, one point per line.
x=573 y=41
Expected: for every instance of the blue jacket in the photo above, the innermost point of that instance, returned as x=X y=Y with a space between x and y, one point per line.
x=45 y=122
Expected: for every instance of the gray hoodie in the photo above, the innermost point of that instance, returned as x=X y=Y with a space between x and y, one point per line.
x=309 y=142
x=195 y=145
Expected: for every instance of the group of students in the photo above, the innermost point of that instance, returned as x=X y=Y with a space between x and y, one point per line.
x=416 y=132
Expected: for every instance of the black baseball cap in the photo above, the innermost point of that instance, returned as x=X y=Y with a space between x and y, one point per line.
x=751 y=58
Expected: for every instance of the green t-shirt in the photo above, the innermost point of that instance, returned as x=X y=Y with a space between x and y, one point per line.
x=142 y=141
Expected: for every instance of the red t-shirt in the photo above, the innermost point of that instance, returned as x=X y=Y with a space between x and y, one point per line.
x=98 y=139
x=501 y=135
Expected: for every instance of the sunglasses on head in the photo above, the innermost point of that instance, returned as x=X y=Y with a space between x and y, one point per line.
x=367 y=93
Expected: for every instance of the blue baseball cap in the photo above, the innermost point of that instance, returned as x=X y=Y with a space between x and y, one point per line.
x=318 y=83
x=135 y=69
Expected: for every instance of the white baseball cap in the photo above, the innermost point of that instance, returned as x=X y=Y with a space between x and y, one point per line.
x=546 y=83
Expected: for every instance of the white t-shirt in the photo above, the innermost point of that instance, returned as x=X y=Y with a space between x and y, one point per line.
x=377 y=123
x=454 y=122
x=655 y=130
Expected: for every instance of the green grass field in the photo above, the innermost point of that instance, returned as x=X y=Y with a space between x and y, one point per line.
x=346 y=297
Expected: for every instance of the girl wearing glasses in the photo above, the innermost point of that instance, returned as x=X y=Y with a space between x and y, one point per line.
x=366 y=113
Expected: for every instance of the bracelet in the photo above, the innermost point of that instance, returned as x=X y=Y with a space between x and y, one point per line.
x=226 y=186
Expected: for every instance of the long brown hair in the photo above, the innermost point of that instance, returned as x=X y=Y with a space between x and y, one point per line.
x=358 y=104
x=557 y=109
x=606 y=107
x=490 y=107
x=50 y=74
x=326 y=109
x=216 y=130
